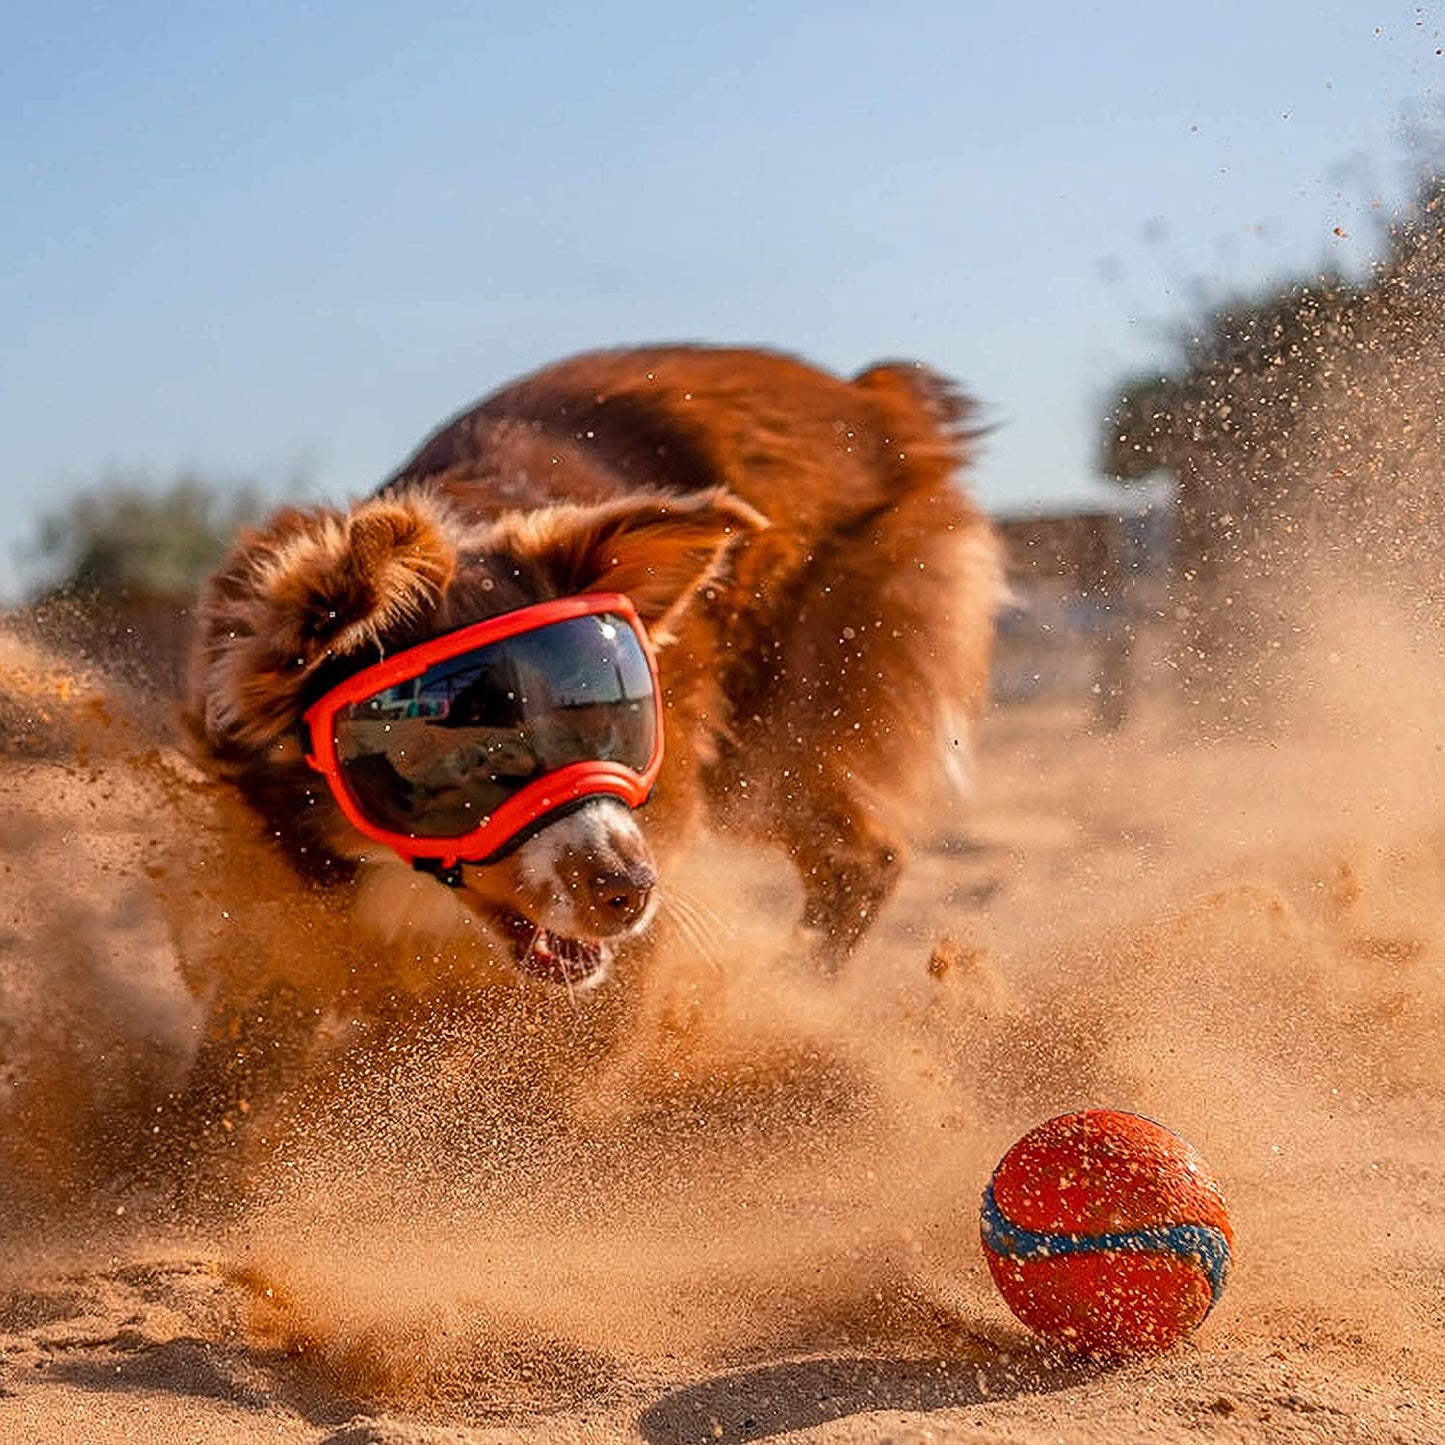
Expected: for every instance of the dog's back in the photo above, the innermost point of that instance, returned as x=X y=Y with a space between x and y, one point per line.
x=850 y=639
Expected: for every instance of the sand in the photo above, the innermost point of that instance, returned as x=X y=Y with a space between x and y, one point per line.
x=761 y=1220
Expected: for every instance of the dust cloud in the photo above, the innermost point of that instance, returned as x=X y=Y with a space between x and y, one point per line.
x=584 y=1217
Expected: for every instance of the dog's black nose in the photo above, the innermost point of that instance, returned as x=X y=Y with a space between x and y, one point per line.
x=623 y=892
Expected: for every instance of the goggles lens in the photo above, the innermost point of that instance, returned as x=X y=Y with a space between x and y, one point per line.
x=435 y=755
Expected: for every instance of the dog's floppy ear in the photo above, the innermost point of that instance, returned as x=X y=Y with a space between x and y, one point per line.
x=657 y=549
x=311 y=585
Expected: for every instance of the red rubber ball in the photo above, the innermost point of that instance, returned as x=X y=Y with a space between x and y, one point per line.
x=1107 y=1233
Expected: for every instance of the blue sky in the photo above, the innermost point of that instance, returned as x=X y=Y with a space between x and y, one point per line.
x=276 y=240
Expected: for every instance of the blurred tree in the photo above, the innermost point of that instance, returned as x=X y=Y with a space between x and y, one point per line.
x=119 y=567
x=1303 y=428
x=123 y=540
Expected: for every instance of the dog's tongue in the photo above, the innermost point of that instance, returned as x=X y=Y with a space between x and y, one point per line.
x=541 y=953
x=560 y=960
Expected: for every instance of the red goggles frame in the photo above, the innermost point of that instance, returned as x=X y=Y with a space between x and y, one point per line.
x=554 y=791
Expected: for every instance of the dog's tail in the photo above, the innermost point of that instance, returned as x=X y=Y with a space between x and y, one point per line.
x=927 y=416
x=948 y=582
x=899 y=605
x=945 y=556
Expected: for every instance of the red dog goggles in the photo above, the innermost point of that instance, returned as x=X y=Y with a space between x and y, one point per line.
x=458 y=748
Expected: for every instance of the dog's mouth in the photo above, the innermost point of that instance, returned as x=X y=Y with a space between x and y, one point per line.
x=541 y=953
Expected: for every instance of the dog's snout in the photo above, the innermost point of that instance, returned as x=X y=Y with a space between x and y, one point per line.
x=601 y=872
x=624 y=892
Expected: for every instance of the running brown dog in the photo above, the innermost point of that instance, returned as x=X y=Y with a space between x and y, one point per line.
x=817 y=587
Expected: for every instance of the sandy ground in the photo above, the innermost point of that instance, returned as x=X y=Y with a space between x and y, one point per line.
x=775 y=1234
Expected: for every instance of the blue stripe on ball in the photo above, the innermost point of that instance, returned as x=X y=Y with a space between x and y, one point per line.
x=1202 y=1243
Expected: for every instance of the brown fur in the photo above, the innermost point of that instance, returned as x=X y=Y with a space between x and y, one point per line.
x=820 y=589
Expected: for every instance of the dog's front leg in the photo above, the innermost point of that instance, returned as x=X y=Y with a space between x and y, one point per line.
x=849 y=864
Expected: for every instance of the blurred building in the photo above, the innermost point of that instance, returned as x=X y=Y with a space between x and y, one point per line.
x=1088 y=587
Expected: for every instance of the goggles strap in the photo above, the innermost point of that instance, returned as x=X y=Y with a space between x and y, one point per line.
x=451 y=874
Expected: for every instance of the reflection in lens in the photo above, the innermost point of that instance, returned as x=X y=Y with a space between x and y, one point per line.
x=435 y=755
